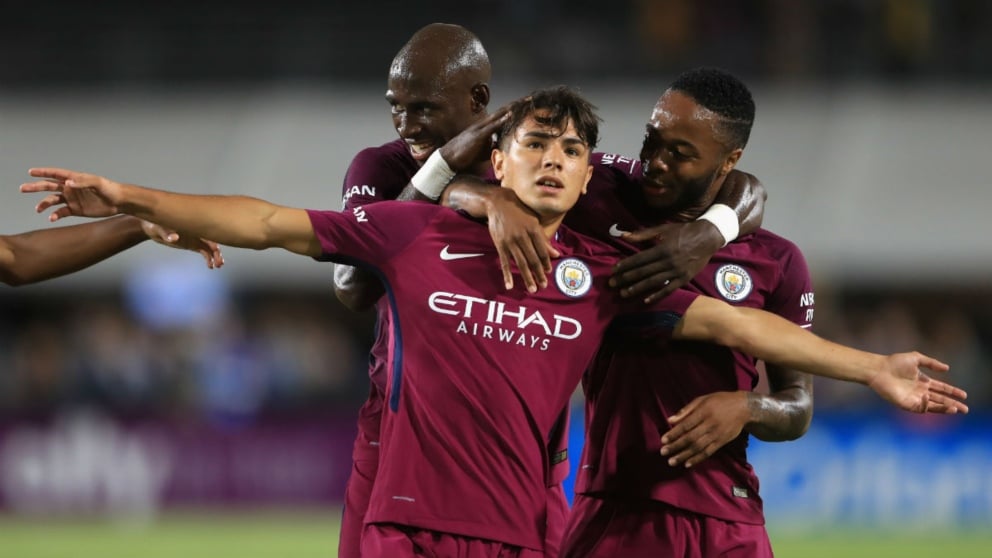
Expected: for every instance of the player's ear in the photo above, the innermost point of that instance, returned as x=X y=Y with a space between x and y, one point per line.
x=731 y=161
x=497 y=159
x=585 y=185
x=480 y=97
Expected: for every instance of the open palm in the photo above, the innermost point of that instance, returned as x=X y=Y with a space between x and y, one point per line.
x=905 y=385
x=74 y=193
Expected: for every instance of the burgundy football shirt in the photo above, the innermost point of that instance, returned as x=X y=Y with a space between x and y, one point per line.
x=477 y=374
x=634 y=386
x=376 y=174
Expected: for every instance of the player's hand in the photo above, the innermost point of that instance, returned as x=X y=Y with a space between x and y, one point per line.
x=208 y=249
x=75 y=193
x=703 y=426
x=680 y=251
x=519 y=237
x=475 y=143
x=903 y=383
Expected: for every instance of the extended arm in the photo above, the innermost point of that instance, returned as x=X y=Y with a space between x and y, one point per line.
x=232 y=220
x=681 y=250
x=897 y=378
x=43 y=254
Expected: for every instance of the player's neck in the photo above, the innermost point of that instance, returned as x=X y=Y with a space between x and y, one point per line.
x=551 y=225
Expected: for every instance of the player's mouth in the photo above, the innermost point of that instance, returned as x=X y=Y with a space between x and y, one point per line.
x=654 y=187
x=420 y=151
x=549 y=184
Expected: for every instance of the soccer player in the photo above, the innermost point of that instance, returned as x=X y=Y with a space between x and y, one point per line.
x=438 y=86
x=653 y=417
x=438 y=93
x=478 y=374
x=44 y=254
x=688 y=150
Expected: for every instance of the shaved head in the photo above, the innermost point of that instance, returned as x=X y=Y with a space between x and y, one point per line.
x=443 y=52
x=438 y=86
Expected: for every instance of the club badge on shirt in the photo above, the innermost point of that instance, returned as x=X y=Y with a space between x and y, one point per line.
x=733 y=282
x=573 y=277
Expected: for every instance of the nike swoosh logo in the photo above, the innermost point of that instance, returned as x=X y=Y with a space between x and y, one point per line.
x=615 y=231
x=448 y=256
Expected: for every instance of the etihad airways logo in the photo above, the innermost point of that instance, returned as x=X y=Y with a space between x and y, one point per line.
x=491 y=319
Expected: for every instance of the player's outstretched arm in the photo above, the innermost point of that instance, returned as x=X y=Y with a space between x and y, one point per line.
x=232 y=220
x=897 y=378
x=44 y=254
x=681 y=250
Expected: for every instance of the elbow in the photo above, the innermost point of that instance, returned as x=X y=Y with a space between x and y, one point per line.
x=12 y=280
x=353 y=299
x=801 y=419
x=9 y=275
x=355 y=290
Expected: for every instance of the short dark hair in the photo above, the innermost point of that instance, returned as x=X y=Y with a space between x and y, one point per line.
x=562 y=104
x=724 y=94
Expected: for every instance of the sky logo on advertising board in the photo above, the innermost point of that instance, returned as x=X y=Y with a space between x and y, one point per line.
x=516 y=325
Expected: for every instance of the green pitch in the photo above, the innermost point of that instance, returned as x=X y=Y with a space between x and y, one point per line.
x=314 y=535
x=874 y=544
x=245 y=535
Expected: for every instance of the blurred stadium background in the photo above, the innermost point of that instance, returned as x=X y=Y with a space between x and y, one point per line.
x=150 y=407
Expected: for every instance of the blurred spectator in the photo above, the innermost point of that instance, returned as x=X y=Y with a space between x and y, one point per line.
x=278 y=352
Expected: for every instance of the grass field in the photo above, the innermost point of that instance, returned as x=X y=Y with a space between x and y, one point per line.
x=314 y=535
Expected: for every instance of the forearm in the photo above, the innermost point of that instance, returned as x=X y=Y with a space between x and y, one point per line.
x=780 y=416
x=239 y=221
x=412 y=194
x=43 y=254
x=472 y=195
x=786 y=411
x=746 y=195
x=776 y=340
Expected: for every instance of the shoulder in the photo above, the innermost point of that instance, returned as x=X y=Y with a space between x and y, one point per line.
x=581 y=245
x=615 y=164
x=388 y=156
x=610 y=173
x=395 y=149
x=774 y=245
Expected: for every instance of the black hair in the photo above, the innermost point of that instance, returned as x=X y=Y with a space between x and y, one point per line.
x=724 y=94
x=561 y=104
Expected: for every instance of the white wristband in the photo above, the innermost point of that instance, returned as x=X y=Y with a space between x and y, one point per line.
x=724 y=218
x=433 y=177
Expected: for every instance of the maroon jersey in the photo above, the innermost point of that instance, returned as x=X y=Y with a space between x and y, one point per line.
x=477 y=374
x=633 y=387
x=376 y=174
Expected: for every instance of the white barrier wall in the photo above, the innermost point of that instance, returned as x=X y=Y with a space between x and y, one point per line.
x=885 y=185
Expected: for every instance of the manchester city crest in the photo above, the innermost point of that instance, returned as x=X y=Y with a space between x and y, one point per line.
x=733 y=282
x=573 y=277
